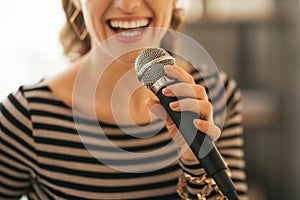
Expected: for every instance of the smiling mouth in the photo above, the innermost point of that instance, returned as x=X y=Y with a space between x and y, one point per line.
x=129 y=28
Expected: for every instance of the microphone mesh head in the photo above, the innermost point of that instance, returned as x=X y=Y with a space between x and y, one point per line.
x=149 y=65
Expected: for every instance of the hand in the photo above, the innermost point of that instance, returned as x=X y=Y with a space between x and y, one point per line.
x=194 y=99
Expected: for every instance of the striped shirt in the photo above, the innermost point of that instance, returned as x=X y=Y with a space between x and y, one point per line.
x=46 y=153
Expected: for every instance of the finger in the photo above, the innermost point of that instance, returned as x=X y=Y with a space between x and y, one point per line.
x=178 y=73
x=156 y=108
x=204 y=108
x=185 y=151
x=207 y=127
x=185 y=90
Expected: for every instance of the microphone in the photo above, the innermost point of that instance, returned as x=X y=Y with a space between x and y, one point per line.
x=149 y=66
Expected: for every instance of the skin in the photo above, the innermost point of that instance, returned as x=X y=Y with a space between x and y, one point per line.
x=96 y=14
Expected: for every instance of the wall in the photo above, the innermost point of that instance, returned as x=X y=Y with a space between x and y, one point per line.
x=263 y=56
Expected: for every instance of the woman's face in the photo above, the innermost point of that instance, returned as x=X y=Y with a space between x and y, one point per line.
x=128 y=20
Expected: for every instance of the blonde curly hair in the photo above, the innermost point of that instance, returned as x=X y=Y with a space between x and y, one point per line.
x=74 y=47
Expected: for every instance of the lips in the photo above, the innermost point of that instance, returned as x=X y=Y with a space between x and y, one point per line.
x=129 y=27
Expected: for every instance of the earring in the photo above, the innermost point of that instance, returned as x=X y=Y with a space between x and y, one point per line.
x=81 y=32
x=177 y=18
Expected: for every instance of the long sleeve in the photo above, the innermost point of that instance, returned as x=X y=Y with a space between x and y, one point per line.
x=16 y=151
x=230 y=144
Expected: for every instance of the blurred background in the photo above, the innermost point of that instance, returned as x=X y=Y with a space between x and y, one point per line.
x=257 y=42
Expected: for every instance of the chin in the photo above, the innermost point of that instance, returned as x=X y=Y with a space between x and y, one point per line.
x=129 y=58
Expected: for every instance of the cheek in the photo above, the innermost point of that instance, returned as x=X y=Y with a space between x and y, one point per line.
x=166 y=19
x=93 y=11
x=94 y=8
x=164 y=12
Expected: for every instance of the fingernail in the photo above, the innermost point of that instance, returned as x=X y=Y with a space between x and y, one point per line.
x=196 y=122
x=147 y=102
x=166 y=91
x=158 y=111
x=169 y=67
x=174 y=104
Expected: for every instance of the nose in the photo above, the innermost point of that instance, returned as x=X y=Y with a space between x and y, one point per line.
x=127 y=6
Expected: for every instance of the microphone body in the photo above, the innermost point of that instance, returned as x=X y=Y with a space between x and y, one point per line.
x=201 y=145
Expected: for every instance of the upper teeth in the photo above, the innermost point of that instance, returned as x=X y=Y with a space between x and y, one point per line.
x=129 y=24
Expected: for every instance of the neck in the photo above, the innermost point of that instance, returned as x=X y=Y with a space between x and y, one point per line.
x=113 y=88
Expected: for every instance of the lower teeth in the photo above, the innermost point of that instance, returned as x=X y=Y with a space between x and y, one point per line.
x=130 y=34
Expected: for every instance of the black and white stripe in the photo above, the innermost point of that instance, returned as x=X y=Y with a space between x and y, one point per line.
x=43 y=156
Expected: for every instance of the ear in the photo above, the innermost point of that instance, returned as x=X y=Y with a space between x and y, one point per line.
x=77 y=4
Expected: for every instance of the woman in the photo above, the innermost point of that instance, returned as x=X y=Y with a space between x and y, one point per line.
x=51 y=147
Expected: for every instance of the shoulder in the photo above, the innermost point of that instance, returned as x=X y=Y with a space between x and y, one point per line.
x=222 y=90
x=15 y=116
x=24 y=93
x=18 y=102
x=232 y=89
x=217 y=82
x=17 y=124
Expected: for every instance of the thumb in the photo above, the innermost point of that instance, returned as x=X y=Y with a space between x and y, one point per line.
x=156 y=109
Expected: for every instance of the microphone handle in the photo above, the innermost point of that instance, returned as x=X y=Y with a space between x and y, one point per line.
x=201 y=145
